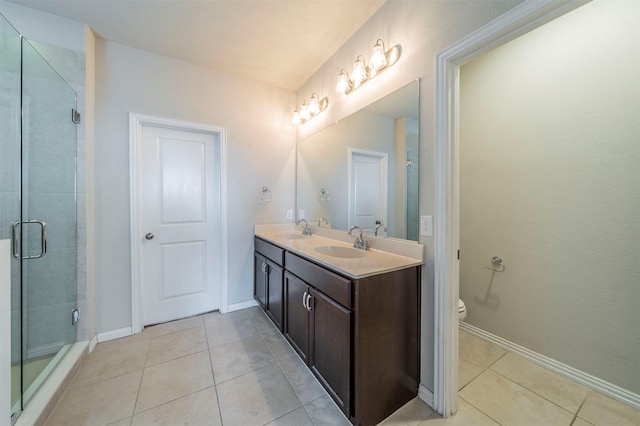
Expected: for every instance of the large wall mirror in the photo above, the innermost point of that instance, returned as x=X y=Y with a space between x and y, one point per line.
x=363 y=170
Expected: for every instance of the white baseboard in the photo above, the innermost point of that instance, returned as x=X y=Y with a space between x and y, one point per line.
x=241 y=305
x=93 y=342
x=425 y=395
x=128 y=331
x=595 y=383
x=114 y=334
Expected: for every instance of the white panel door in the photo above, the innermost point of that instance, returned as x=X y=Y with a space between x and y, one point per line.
x=180 y=224
x=367 y=190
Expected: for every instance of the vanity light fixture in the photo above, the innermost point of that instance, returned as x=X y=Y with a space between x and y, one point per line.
x=359 y=73
x=380 y=60
x=314 y=104
x=310 y=109
x=344 y=84
x=304 y=112
x=378 y=57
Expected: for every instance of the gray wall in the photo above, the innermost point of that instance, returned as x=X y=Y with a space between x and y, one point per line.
x=550 y=182
x=260 y=152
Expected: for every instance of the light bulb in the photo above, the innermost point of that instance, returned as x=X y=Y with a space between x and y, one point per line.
x=304 y=112
x=343 y=85
x=378 y=56
x=314 y=104
x=359 y=74
x=296 y=118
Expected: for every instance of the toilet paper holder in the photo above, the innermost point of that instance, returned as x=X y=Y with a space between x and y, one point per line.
x=496 y=264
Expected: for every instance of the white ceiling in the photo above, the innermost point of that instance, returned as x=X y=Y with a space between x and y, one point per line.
x=278 y=42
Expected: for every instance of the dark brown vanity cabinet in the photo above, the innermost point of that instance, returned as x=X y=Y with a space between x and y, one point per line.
x=268 y=280
x=319 y=329
x=359 y=337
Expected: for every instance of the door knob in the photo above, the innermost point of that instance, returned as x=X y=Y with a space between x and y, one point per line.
x=149 y=236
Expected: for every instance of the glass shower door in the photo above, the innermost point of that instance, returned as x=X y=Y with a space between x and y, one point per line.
x=47 y=226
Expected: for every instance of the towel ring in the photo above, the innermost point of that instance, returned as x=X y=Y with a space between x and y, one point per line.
x=324 y=196
x=265 y=194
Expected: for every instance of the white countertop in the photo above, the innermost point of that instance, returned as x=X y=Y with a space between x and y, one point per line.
x=397 y=254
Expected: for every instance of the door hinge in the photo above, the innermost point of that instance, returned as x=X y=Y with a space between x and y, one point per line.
x=75 y=316
x=75 y=116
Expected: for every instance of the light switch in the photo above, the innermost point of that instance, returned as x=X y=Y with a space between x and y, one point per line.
x=300 y=214
x=426 y=226
x=289 y=214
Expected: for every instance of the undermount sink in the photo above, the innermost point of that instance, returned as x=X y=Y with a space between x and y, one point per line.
x=339 y=251
x=294 y=236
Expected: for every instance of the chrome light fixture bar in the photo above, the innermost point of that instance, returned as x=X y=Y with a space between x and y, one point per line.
x=309 y=109
x=380 y=60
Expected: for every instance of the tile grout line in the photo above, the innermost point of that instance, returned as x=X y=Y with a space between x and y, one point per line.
x=476 y=377
x=155 y=365
x=277 y=362
x=213 y=374
x=523 y=386
x=533 y=392
x=144 y=367
x=296 y=355
x=575 y=417
x=477 y=408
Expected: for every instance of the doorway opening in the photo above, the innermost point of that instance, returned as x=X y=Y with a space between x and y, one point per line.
x=520 y=20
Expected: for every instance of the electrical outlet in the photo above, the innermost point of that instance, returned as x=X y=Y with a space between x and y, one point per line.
x=289 y=214
x=300 y=214
x=426 y=226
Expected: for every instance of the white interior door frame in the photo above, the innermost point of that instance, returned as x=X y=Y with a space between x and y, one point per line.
x=136 y=122
x=518 y=21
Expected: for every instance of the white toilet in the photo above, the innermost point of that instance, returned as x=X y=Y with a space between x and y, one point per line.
x=462 y=310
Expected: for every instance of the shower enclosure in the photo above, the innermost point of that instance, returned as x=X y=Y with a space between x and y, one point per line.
x=37 y=211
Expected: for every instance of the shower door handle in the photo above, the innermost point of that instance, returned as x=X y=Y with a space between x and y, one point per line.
x=43 y=238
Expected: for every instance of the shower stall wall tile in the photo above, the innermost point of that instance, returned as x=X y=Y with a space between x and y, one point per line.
x=51 y=170
x=51 y=279
x=48 y=328
x=59 y=212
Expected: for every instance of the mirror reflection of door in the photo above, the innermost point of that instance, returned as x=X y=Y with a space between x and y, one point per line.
x=367 y=189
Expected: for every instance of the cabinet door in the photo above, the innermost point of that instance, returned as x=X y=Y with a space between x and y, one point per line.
x=260 y=280
x=275 y=295
x=296 y=328
x=330 y=352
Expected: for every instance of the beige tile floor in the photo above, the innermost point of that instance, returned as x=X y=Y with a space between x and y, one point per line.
x=236 y=369
x=500 y=388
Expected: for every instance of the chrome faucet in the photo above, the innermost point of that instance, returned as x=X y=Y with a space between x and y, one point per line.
x=323 y=219
x=359 y=242
x=305 y=230
x=378 y=226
